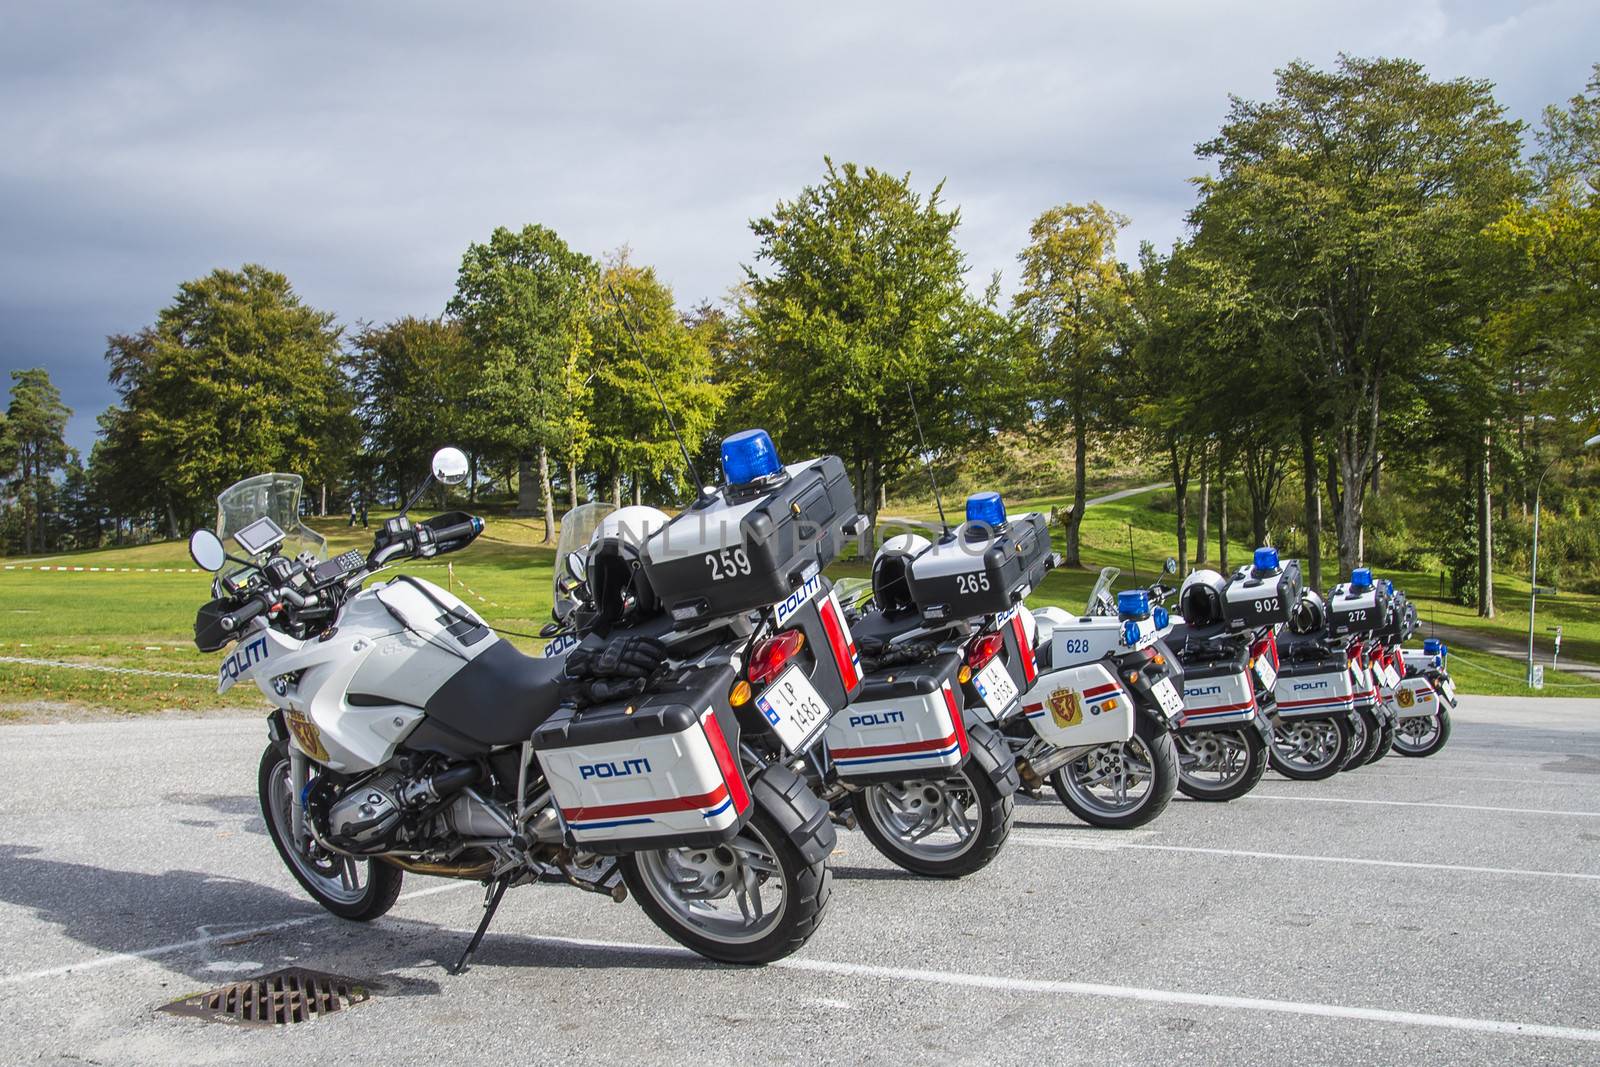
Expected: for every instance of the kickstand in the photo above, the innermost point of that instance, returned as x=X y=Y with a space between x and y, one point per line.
x=491 y=902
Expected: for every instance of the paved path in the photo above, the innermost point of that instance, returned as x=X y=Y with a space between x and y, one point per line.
x=1121 y=494
x=1509 y=648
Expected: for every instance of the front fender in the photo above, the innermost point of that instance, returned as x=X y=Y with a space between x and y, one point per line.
x=799 y=812
x=987 y=748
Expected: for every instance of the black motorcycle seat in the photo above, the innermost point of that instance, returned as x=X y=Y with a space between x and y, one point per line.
x=500 y=697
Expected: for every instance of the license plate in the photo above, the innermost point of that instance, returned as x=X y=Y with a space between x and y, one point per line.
x=1392 y=675
x=795 y=709
x=1450 y=690
x=1266 y=672
x=1167 y=696
x=996 y=687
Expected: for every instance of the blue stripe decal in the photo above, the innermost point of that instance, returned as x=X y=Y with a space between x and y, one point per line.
x=609 y=824
x=896 y=759
x=1241 y=712
x=718 y=810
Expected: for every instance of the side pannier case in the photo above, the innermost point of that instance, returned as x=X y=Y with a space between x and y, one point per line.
x=1216 y=694
x=987 y=567
x=755 y=540
x=1415 y=698
x=654 y=772
x=1079 y=706
x=1262 y=594
x=1358 y=606
x=905 y=724
x=1313 y=689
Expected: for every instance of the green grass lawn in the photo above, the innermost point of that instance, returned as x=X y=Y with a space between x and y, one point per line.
x=145 y=620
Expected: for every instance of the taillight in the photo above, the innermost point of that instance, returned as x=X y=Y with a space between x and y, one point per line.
x=983 y=649
x=772 y=654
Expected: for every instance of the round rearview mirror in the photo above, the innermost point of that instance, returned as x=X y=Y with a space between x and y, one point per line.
x=205 y=548
x=450 y=466
x=1171 y=566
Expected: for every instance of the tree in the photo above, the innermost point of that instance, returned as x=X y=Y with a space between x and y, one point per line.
x=1353 y=200
x=1071 y=298
x=629 y=432
x=236 y=376
x=33 y=447
x=857 y=305
x=524 y=301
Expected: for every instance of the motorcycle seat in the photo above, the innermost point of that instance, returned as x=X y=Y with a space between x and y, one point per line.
x=500 y=697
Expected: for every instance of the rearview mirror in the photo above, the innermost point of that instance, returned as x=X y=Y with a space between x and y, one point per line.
x=1171 y=566
x=450 y=466
x=206 y=549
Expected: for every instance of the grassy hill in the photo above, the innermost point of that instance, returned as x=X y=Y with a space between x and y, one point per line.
x=123 y=616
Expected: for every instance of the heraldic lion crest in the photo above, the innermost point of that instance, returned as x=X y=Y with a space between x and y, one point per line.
x=1066 y=707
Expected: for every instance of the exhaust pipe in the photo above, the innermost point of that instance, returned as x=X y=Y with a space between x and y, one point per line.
x=1034 y=768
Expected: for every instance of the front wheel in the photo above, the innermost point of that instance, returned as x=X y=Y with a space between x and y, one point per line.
x=355 y=889
x=1385 y=741
x=752 y=899
x=1365 y=740
x=1124 y=784
x=1309 y=750
x=942 y=828
x=1220 y=764
x=1422 y=735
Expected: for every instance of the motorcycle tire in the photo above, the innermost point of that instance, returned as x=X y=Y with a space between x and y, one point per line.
x=1310 y=771
x=892 y=814
x=1385 y=741
x=1239 y=784
x=355 y=889
x=1151 y=748
x=1365 y=740
x=806 y=888
x=1403 y=745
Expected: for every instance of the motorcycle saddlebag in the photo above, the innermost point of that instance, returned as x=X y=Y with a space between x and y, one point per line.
x=906 y=724
x=1356 y=611
x=1415 y=698
x=1083 y=705
x=1316 y=690
x=958 y=578
x=732 y=553
x=1215 y=694
x=658 y=771
x=1255 y=598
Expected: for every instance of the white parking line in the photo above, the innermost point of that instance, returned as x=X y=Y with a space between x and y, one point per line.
x=97 y=962
x=1116 y=846
x=1532 y=783
x=1422 y=804
x=1004 y=984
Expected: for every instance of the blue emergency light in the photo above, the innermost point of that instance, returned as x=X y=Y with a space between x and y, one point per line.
x=1133 y=603
x=1266 y=559
x=1159 y=616
x=1361 y=578
x=749 y=455
x=1130 y=633
x=986 y=508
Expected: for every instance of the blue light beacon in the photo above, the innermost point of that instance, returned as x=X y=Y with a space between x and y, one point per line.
x=749 y=456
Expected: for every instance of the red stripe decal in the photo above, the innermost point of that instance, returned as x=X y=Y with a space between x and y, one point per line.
x=650 y=807
x=909 y=746
x=1101 y=690
x=836 y=640
x=955 y=717
x=732 y=773
x=1316 y=700
x=1030 y=669
x=1027 y=708
x=1198 y=710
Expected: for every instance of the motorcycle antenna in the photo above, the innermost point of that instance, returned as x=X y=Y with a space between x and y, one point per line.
x=927 y=460
x=622 y=313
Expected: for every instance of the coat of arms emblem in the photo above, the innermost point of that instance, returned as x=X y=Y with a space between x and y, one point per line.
x=1405 y=698
x=1066 y=707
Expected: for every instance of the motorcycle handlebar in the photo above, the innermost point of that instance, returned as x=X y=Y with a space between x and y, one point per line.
x=470 y=528
x=234 y=620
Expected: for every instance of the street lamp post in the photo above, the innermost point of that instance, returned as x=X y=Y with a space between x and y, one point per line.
x=1533 y=569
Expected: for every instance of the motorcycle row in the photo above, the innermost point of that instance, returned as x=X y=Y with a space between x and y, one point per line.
x=711 y=706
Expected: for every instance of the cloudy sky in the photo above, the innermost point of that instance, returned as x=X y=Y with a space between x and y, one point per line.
x=358 y=148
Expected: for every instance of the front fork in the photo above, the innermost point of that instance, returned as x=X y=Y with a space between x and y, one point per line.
x=299 y=775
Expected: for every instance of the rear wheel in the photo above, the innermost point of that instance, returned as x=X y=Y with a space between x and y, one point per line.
x=1364 y=740
x=1223 y=763
x=1422 y=735
x=1124 y=784
x=753 y=899
x=1309 y=750
x=356 y=889
x=1385 y=742
x=942 y=828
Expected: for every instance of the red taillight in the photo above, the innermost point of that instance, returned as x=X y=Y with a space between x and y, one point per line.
x=983 y=649
x=773 y=653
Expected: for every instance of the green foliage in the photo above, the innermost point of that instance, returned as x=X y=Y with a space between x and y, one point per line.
x=32 y=448
x=415 y=378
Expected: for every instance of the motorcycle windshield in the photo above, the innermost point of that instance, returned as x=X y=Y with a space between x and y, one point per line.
x=1101 y=597
x=572 y=548
x=269 y=496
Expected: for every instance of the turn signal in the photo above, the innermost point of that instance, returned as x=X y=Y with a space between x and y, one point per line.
x=1159 y=660
x=983 y=649
x=773 y=653
x=739 y=695
x=964 y=675
x=1133 y=677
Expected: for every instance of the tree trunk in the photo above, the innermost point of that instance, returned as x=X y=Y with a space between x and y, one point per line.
x=527 y=489
x=1203 y=517
x=323 y=508
x=572 y=483
x=1354 y=479
x=638 y=490
x=616 y=489
x=1222 y=521
x=867 y=542
x=172 y=520
x=1180 y=490
x=1080 y=476
x=1313 y=504
x=1485 y=537
x=547 y=494
x=472 y=478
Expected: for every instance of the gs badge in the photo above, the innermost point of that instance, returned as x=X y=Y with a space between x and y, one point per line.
x=1066 y=707
x=1405 y=698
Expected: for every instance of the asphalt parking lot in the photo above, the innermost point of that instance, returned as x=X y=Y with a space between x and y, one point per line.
x=1439 y=910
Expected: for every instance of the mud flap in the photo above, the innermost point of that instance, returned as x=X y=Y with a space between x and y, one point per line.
x=798 y=811
x=987 y=749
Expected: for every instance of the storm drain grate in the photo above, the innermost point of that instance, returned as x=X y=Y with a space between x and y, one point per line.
x=292 y=995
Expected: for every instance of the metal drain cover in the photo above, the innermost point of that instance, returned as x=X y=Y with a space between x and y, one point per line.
x=292 y=995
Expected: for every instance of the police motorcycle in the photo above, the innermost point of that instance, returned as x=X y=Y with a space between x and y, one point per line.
x=1424 y=694
x=406 y=736
x=1358 y=610
x=1313 y=714
x=1225 y=732
x=906 y=762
